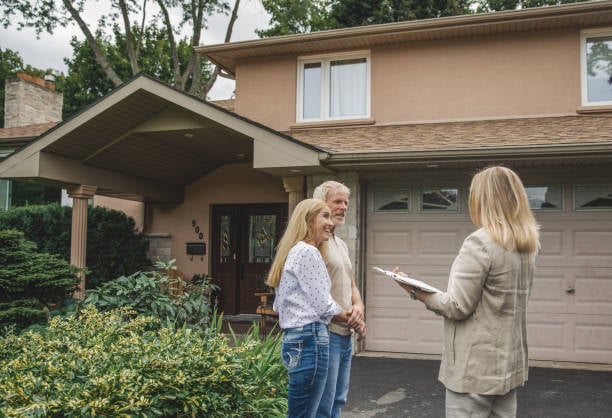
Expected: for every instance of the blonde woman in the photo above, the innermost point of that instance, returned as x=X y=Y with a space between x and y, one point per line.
x=304 y=304
x=484 y=308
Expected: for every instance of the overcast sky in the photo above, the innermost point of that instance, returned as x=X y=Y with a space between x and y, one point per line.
x=50 y=50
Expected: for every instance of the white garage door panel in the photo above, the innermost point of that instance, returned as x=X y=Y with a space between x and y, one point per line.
x=570 y=309
x=570 y=337
x=552 y=243
x=593 y=244
x=593 y=294
x=548 y=291
x=438 y=243
x=407 y=330
x=387 y=243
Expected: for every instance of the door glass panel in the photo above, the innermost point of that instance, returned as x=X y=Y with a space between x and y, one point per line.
x=262 y=233
x=545 y=197
x=593 y=196
x=391 y=201
x=440 y=200
x=225 y=239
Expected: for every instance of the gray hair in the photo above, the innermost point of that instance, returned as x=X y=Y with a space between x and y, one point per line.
x=323 y=190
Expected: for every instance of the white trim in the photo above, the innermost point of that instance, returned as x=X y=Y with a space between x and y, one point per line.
x=325 y=59
x=590 y=33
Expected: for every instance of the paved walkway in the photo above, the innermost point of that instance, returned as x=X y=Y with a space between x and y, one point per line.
x=394 y=388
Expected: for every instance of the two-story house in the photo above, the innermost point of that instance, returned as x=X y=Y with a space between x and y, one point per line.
x=403 y=114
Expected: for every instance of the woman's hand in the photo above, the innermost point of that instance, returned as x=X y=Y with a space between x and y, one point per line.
x=406 y=286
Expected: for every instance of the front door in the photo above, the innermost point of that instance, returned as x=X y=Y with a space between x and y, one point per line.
x=244 y=239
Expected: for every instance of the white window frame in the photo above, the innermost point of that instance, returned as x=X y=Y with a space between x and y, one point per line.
x=325 y=66
x=583 y=64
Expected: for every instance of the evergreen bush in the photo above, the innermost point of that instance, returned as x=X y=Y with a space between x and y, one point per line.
x=114 y=248
x=30 y=281
x=115 y=364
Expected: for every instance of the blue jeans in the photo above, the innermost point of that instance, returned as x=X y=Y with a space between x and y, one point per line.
x=305 y=354
x=338 y=375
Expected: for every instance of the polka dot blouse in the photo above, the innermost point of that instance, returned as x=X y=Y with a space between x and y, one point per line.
x=302 y=296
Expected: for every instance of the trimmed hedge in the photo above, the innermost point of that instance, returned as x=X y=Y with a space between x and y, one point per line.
x=114 y=248
x=112 y=364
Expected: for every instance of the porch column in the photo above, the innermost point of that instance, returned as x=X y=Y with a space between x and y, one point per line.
x=294 y=186
x=78 y=238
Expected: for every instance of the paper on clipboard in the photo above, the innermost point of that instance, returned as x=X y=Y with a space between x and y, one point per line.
x=412 y=282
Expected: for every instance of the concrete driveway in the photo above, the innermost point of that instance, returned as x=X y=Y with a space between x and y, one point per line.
x=399 y=387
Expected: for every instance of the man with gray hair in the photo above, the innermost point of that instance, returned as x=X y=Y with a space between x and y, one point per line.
x=345 y=293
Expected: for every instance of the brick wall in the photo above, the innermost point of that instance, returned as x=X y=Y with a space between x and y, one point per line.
x=30 y=100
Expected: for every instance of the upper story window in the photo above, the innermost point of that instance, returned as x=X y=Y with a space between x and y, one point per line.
x=596 y=66
x=333 y=87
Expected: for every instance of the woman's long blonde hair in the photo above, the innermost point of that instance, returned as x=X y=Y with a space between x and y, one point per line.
x=300 y=228
x=499 y=204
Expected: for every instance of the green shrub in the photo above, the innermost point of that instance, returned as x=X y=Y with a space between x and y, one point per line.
x=112 y=364
x=148 y=294
x=114 y=248
x=29 y=281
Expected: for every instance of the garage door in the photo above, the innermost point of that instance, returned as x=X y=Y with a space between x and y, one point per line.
x=421 y=229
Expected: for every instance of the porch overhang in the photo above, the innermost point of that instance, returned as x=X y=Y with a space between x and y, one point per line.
x=147 y=141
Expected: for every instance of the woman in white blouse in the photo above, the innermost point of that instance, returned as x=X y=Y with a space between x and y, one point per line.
x=304 y=304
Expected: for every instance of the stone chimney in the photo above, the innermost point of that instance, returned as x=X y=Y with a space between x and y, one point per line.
x=31 y=100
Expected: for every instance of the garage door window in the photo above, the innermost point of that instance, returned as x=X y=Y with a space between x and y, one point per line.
x=439 y=200
x=593 y=196
x=391 y=201
x=545 y=197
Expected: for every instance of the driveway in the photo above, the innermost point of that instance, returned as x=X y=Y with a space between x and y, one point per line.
x=398 y=387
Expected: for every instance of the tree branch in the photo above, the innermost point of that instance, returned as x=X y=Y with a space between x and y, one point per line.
x=129 y=39
x=179 y=81
x=91 y=41
x=228 y=36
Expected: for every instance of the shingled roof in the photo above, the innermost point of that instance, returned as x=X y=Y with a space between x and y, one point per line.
x=581 y=129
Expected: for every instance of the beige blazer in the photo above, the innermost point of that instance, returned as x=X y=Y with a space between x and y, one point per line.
x=484 y=310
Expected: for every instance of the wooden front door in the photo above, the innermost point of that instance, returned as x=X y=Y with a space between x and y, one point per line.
x=244 y=240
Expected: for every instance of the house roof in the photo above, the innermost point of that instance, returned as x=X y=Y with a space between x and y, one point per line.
x=563 y=138
x=587 y=14
x=146 y=141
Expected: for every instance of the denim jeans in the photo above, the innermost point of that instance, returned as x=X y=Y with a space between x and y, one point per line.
x=338 y=375
x=305 y=354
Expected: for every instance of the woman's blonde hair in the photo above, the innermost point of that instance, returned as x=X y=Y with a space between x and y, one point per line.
x=300 y=228
x=499 y=204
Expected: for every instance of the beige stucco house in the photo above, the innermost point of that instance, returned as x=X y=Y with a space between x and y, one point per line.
x=403 y=114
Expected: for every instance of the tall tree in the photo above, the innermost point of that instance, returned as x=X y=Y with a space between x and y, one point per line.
x=301 y=16
x=86 y=81
x=119 y=17
x=10 y=64
x=500 y=5
x=349 y=13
